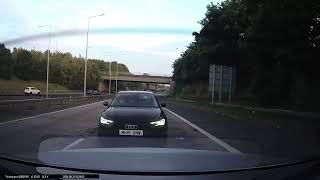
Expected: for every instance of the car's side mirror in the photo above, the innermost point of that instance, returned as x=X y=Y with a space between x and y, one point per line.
x=106 y=103
x=163 y=104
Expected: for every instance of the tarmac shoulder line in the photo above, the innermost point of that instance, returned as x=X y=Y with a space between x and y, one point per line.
x=210 y=136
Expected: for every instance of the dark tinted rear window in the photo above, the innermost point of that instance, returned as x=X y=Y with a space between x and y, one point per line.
x=134 y=100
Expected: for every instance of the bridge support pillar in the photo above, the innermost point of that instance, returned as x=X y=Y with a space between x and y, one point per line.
x=172 y=87
x=104 y=86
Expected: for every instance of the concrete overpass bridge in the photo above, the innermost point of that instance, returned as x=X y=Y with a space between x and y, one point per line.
x=150 y=81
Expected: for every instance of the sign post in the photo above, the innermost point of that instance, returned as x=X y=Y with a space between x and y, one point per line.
x=230 y=85
x=213 y=79
x=220 y=82
x=220 y=86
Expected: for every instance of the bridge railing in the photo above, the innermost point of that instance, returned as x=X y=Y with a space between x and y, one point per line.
x=113 y=73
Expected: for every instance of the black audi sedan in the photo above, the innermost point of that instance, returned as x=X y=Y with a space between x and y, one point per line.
x=133 y=113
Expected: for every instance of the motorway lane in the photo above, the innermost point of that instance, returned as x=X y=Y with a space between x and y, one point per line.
x=24 y=137
x=271 y=137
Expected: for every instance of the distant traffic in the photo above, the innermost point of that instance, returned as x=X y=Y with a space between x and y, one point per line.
x=32 y=91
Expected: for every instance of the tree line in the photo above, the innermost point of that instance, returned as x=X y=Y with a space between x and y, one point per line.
x=274 y=46
x=64 y=68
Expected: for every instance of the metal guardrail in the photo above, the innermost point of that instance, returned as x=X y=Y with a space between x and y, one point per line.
x=64 y=100
x=11 y=93
x=50 y=94
x=182 y=100
x=49 y=101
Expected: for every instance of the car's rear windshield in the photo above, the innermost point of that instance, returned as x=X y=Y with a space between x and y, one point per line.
x=134 y=100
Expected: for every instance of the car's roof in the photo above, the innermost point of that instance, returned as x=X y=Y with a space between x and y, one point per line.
x=135 y=92
x=30 y=87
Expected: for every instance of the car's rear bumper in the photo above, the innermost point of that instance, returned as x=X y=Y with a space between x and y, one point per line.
x=149 y=132
x=33 y=93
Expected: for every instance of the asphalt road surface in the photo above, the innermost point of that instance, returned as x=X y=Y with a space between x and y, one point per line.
x=24 y=136
x=293 y=137
x=77 y=128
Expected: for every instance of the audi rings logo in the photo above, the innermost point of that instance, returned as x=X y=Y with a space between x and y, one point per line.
x=131 y=126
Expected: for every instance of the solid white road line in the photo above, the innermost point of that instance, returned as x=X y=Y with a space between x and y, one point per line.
x=30 y=117
x=213 y=138
x=73 y=144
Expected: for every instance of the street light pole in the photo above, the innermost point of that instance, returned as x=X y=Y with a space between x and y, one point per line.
x=48 y=60
x=48 y=63
x=118 y=73
x=110 y=76
x=86 y=60
x=117 y=78
x=176 y=53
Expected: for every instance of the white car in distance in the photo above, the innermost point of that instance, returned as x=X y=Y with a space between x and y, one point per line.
x=32 y=91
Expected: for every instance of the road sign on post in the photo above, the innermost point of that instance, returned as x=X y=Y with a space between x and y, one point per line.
x=220 y=82
x=230 y=84
x=212 y=73
x=220 y=85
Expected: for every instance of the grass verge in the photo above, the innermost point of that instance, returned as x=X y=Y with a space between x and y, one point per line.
x=19 y=85
x=238 y=113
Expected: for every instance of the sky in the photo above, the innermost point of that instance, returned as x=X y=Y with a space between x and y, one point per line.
x=146 y=35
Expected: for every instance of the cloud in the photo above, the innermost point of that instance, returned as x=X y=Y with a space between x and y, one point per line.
x=143 y=43
x=145 y=51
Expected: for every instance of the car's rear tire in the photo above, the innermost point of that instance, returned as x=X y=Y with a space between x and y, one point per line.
x=163 y=133
x=100 y=133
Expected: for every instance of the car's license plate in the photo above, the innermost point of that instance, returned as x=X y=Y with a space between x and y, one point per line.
x=125 y=132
